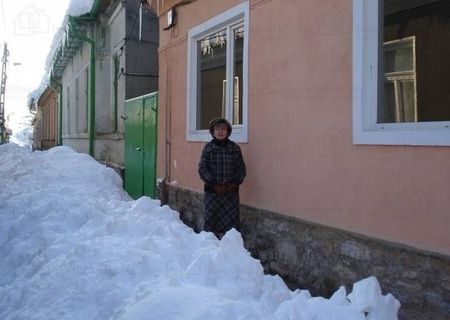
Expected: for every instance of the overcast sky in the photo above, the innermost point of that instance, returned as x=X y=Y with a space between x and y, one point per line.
x=28 y=27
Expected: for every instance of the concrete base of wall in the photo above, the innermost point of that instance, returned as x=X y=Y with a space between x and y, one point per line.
x=108 y=148
x=320 y=258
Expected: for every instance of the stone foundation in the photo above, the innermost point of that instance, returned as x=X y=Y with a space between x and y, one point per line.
x=320 y=258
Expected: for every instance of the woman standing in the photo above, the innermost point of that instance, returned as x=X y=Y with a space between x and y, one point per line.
x=222 y=169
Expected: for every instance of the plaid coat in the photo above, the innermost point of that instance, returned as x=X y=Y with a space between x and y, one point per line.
x=221 y=163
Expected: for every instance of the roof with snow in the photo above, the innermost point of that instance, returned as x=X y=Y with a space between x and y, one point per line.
x=65 y=44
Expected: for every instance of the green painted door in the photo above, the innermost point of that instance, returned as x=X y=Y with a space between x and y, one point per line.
x=140 y=145
x=150 y=131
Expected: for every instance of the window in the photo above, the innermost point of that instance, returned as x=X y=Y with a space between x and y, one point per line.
x=115 y=91
x=86 y=100
x=77 y=111
x=217 y=74
x=400 y=72
x=68 y=111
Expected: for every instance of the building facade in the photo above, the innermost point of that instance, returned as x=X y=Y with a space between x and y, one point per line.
x=343 y=121
x=45 y=120
x=105 y=57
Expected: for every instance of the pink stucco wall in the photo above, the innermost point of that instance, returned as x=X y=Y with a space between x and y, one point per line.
x=300 y=157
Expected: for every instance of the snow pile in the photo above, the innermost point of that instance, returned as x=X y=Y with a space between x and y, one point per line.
x=73 y=245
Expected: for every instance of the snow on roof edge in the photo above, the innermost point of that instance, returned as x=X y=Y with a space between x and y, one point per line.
x=79 y=7
x=76 y=8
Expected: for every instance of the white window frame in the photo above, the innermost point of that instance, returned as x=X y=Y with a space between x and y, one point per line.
x=366 y=130
x=239 y=13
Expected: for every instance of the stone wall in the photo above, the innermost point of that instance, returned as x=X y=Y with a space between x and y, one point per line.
x=320 y=258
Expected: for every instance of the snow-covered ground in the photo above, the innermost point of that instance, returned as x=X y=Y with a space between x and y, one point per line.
x=74 y=245
x=20 y=124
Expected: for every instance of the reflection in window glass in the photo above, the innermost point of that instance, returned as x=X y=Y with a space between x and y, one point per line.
x=399 y=99
x=387 y=112
x=415 y=64
x=238 y=73
x=400 y=59
x=407 y=100
x=220 y=58
x=212 y=62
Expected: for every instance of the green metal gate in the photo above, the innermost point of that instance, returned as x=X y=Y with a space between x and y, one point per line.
x=140 y=145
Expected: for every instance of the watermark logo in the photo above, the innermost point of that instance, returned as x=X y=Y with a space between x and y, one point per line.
x=31 y=21
x=334 y=20
x=412 y=201
x=335 y=142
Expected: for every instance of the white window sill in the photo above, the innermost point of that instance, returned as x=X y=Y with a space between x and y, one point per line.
x=418 y=134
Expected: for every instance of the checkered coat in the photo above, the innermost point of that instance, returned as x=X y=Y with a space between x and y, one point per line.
x=221 y=163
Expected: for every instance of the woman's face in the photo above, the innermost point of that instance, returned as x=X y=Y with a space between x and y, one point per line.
x=220 y=132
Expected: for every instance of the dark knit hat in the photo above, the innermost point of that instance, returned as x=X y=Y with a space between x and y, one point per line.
x=217 y=122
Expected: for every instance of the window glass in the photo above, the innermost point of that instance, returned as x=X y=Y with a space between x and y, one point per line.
x=238 y=36
x=386 y=113
x=408 y=112
x=400 y=59
x=212 y=61
x=399 y=98
x=416 y=46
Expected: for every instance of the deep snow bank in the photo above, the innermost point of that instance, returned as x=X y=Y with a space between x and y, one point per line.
x=73 y=245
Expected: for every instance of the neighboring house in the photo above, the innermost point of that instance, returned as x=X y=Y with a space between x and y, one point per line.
x=105 y=57
x=346 y=135
x=45 y=120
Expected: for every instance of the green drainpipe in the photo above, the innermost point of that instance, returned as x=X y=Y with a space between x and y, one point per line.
x=91 y=103
x=95 y=8
x=58 y=87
